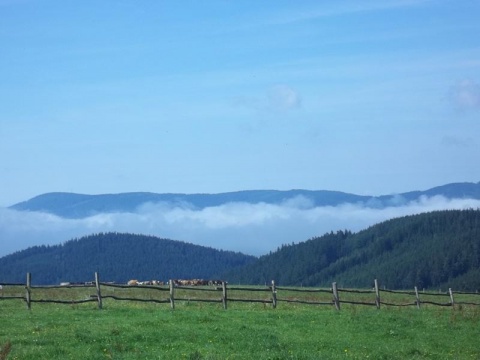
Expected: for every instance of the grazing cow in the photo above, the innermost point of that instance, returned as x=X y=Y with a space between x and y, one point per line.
x=132 y=282
x=215 y=282
x=180 y=282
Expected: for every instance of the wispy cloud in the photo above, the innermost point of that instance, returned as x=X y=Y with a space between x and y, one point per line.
x=339 y=8
x=251 y=228
x=12 y=2
x=458 y=142
x=278 y=98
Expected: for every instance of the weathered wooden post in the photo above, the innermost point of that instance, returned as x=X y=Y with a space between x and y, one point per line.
x=274 y=294
x=99 y=294
x=28 y=290
x=172 y=293
x=377 y=294
x=224 y=294
x=451 y=296
x=336 y=299
x=417 y=298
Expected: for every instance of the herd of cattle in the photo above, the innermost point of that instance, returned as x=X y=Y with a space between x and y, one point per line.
x=177 y=282
x=197 y=282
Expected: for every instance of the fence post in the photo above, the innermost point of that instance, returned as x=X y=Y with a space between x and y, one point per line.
x=336 y=299
x=99 y=294
x=377 y=294
x=274 y=294
x=224 y=294
x=28 y=290
x=172 y=293
x=451 y=296
x=417 y=298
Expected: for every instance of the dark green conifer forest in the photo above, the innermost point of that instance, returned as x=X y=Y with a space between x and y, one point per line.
x=430 y=250
x=118 y=257
x=433 y=250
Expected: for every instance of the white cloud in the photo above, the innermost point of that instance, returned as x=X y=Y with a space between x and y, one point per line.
x=465 y=95
x=251 y=228
x=283 y=98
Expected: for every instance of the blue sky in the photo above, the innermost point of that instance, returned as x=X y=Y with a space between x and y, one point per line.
x=367 y=97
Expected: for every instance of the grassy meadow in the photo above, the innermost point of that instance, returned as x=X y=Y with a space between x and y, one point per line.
x=194 y=330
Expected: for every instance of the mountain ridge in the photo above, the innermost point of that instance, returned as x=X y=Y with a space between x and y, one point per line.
x=73 y=205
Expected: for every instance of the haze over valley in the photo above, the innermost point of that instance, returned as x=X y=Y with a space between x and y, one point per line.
x=251 y=222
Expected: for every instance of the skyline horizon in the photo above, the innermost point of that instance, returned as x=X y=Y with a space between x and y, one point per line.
x=240 y=190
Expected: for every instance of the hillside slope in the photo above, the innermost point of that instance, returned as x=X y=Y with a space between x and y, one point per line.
x=430 y=250
x=118 y=257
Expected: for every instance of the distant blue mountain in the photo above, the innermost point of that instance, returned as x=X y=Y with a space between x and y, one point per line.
x=71 y=205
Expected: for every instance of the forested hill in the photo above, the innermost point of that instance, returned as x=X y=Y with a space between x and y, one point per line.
x=118 y=257
x=431 y=250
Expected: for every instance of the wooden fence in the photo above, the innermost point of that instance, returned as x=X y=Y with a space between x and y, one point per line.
x=273 y=295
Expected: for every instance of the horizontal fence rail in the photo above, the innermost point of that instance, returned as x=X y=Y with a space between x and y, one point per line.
x=219 y=292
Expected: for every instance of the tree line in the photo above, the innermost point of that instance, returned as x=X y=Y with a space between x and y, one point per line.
x=119 y=257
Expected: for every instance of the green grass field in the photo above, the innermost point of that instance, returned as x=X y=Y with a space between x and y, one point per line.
x=133 y=330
